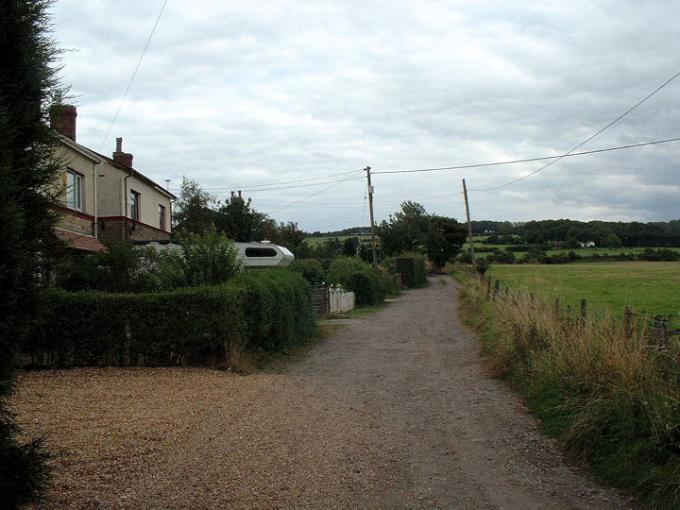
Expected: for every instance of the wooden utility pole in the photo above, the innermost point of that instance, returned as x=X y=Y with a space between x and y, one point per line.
x=370 y=210
x=467 y=213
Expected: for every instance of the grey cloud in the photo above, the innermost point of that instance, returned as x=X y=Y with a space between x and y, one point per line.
x=247 y=93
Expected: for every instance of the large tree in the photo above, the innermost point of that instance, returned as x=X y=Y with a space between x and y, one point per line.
x=445 y=237
x=27 y=175
x=193 y=212
x=405 y=230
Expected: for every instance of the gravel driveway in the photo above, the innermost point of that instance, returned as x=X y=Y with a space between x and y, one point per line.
x=395 y=411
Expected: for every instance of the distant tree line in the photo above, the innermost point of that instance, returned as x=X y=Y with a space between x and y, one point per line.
x=571 y=232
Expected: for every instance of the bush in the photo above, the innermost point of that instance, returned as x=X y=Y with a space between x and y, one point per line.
x=278 y=308
x=412 y=270
x=310 y=269
x=190 y=325
x=356 y=275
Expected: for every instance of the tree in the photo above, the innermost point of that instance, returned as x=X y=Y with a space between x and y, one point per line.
x=405 y=230
x=445 y=237
x=193 y=213
x=350 y=246
x=240 y=222
x=612 y=241
x=28 y=170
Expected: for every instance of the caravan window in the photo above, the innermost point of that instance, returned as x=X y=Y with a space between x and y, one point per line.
x=260 y=252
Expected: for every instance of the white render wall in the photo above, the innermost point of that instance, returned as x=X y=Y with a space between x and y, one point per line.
x=112 y=197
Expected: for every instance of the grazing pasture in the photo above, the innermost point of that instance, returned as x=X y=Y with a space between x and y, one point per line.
x=648 y=287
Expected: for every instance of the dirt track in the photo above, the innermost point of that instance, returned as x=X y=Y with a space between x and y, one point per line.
x=395 y=411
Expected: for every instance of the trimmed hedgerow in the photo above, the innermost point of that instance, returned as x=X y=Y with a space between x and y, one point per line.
x=192 y=325
x=356 y=275
x=279 y=308
x=412 y=270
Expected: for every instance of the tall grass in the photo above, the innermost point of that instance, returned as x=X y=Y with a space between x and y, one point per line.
x=612 y=396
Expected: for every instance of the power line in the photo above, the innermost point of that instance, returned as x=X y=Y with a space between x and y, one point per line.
x=315 y=194
x=531 y=160
x=598 y=132
x=254 y=186
x=134 y=74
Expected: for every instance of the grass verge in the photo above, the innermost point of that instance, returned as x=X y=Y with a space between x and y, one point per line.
x=611 y=394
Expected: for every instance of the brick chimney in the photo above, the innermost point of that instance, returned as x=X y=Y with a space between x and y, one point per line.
x=63 y=119
x=122 y=157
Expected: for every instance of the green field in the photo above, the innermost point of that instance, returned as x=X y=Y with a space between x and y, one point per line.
x=581 y=252
x=648 y=287
x=315 y=241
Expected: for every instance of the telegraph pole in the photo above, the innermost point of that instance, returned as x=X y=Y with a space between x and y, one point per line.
x=370 y=210
x=467 y=213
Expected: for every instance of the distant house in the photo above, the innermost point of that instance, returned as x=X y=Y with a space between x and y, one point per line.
x=104 y=199
x=587 y=244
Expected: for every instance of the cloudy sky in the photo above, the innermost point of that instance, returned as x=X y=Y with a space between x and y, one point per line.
x=245 y=94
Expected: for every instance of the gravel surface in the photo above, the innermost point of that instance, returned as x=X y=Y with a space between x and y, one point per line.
x=395 y=411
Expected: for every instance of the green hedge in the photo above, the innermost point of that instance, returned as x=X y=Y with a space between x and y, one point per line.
x=356 y=275
x=266 y=309
x=412 y=270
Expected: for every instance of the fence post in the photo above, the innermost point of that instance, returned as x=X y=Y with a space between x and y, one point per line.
x=627 y=322
x=496 y=288
x=660 y=327
x=583 y=309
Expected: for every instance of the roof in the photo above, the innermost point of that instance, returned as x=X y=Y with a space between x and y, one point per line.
x=137 y=174
x=81 y=242
x=100 y=158
x=81 y=149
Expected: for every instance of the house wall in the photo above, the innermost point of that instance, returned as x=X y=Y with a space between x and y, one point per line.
x=113 y=210
x=76 y=221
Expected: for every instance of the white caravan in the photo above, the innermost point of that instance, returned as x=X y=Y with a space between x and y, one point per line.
x=253 y=255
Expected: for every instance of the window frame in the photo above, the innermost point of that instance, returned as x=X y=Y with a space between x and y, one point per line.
x=77 y=191
x=162 y=216
x=135 y=201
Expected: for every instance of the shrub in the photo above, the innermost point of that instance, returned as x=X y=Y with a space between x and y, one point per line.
x=310 y=269
x=190 y=325
x=412 y=270
x=209 y=258
x=356 y=275
x=279 y=308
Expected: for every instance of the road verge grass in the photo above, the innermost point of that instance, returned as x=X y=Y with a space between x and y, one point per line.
x=608 y=392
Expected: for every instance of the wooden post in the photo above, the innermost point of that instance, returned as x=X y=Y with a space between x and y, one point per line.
x=469 y=224
x=627 y=322
x=370 y=210
x=496 y=288
x=583 y=309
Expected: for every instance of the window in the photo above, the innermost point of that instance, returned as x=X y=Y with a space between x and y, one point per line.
x=161 y=216
x=134 y=205
x=260 y=252
x=74 y=190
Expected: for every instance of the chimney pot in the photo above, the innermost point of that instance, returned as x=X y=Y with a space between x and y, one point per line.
x=239 y=193
x=63 y=119
x=124 y=158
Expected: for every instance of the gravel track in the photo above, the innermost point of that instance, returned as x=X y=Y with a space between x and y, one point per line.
x=393 y=412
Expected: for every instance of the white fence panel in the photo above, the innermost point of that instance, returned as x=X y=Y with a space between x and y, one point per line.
x=341 y=302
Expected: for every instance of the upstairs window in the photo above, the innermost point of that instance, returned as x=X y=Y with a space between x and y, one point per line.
x=74 y=190
x=134 y=205
x=161 y=216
